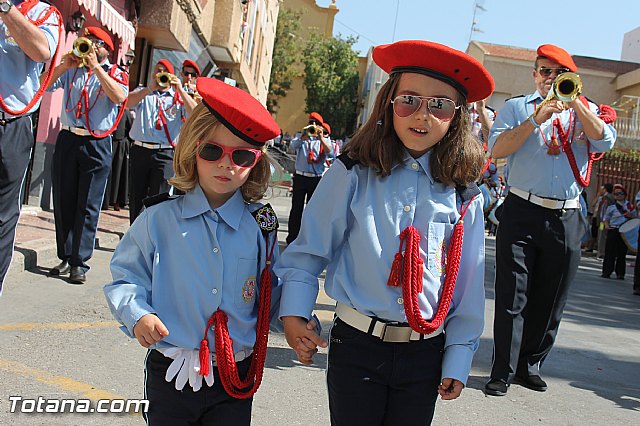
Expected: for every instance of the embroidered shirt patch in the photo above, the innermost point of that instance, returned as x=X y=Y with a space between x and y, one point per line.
x=249 y=290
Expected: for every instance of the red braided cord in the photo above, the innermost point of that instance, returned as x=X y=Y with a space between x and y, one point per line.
x=227 y=367
x=413 y=274
x=85 y=97
x=608 y=115
x=24 y=10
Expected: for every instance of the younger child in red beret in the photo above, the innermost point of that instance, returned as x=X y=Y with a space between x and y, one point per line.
x=409 y=287
x=191 y=278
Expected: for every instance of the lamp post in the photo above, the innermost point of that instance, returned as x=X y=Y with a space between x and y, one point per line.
x=76 y=22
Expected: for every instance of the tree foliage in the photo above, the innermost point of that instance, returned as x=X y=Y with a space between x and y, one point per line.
x=286 y=54
x=331 y=79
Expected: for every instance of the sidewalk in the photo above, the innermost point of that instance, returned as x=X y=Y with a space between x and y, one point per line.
x=35 y=244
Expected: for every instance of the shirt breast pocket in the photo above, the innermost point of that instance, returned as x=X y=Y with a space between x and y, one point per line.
x=437 y=244
x=246 y=283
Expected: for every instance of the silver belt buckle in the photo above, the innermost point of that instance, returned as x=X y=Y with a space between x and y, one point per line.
x=395 y=334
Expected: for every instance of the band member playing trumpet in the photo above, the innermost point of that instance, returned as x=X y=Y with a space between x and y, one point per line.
x=549 y=151
x=94 y=100
x=29 y=35
x=190 y=73
x=160 y=110
x=311 y=149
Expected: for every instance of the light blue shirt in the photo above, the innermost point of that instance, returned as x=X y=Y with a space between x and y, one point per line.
x=531 y=169
x=613 y=215
x=102 y=112
x=302 y=148
x=354 y=233
x=144 y=126
x=182 y=261
x=20 y=76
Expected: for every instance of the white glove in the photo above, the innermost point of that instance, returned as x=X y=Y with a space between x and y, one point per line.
x=186 y=367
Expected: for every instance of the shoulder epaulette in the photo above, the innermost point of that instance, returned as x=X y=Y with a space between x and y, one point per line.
x=347 y=161
x=466 y=193
x=157 y=199
x=266 y=218
x=514 y=97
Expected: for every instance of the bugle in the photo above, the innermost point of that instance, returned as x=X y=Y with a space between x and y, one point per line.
x=164 y=79
x=565 y=88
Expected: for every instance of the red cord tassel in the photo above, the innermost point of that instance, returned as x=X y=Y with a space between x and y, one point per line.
x=204 y=357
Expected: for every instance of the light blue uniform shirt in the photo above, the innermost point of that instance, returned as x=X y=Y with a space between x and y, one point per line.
x=302 y=148
x=102 y=112
x=144 y=126
x=531 y=169
x=182 y=261
x=20 y=76
x=354 y=233
x=615 y=218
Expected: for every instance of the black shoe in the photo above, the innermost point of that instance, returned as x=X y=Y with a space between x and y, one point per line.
x=533 y=382
x=636 y=292
x=77 y=275
x=605 y=276
x=496 y=387
x=620 y=278
x=62 y=268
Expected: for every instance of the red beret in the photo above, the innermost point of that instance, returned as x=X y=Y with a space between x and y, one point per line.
x=101 y=34
x=557 y=54
x=326 y=127
x=167 y=65
x=441 y=62
x=617 y=185
x=240 y=112
x=316 y=116
x=190 y=63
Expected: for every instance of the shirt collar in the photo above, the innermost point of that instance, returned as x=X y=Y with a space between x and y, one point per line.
x=195 y=203
x=535 y=96
x=423 y=161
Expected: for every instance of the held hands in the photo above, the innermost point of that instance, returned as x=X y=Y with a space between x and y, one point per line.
x=149 y=330
x=450 y=388
x=547 y=110
x=303 y=338
x=91 y=59
x=69 y=60
x=175 y=82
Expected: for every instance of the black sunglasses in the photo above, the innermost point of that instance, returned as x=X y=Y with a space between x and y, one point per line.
x=190 y=74
x=619 y=193
x=546 y=72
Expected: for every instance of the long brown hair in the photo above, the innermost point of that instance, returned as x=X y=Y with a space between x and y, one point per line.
x=455 y=160
x=199 y=124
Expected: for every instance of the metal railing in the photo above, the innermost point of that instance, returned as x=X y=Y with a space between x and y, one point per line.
x=627 y=127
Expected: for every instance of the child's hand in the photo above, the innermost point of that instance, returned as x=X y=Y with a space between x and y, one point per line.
x=149 y=330
x=302 y=338
x=450 y=388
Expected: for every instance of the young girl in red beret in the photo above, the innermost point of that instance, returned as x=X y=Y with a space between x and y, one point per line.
x=402 y=243
x=191 y=278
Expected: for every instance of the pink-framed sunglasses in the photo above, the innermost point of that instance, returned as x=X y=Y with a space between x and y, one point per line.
x=240 y=157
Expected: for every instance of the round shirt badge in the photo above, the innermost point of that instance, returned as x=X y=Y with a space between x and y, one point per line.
x=249 y=290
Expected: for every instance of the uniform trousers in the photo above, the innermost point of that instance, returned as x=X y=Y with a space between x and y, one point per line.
x=80 y=170
x=372 y=382
x=303 y=188
x=636 y=270
x=150 y=171
x=615 y=254
x=16 y=141
x=537 y=257
x=208 y=406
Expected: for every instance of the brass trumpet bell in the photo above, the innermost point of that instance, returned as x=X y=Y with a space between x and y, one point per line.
x=163 y=79
x=312 y=130
x=567 y=86
x=82 y=47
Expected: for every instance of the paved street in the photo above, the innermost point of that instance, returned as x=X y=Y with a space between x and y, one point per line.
x=58 y=340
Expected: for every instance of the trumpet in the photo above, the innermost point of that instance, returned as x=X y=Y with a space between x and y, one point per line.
x=82 y=46
x=164 y=79
x=312 y=130
x=565 y=88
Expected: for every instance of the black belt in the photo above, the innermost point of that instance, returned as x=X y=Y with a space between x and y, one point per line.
x=5 y=121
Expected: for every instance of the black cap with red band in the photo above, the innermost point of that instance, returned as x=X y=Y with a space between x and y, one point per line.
x=438 y=61
x=238 y=111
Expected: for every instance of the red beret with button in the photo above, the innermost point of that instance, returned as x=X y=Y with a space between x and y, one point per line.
x=192 y=64
x=558 y=55
x=438 y=61
x=167 y=65
x=100 y=34
x=620 y=188
x=316 y=116
x=238 y=111
x=326 y=127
